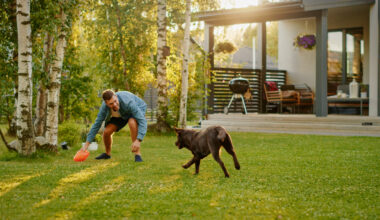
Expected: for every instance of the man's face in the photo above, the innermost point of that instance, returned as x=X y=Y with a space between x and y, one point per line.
x=113 y=103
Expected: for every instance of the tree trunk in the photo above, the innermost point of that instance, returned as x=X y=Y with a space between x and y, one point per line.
x=40 y=122
x=185 y=68
x=25 y=133
x=122 y=48
x=12 y=131
x=162 y=102
x=55 y=85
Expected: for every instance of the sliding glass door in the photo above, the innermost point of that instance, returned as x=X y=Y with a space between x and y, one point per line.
x=345 y=57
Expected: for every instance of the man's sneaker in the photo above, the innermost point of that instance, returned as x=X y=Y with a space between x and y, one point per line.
x=103 y=156
x=138 y=158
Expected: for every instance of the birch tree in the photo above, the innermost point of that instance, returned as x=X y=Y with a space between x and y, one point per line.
x=25 y=133
x=40 y=121
x=162 y=102
x=185 y=67
x=54 y=85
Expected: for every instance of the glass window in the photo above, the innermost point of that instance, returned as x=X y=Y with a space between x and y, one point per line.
x=345 y=53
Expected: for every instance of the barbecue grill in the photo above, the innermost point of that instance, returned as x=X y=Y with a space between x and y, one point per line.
x=238 y=86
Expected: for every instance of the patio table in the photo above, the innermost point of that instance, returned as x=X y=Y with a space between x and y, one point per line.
x=335 y=101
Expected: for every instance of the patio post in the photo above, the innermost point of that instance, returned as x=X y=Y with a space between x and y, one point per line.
x=374 y=60
x=209 y=48
x=263 y=43
x=321 y=109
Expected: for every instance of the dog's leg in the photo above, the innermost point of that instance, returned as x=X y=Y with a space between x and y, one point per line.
x=227 y=144
x=189 y=163
x=197 y=163
x=215 y=154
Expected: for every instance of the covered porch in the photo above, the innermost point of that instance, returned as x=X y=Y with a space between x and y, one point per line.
x=337 y=125
x=290 y=71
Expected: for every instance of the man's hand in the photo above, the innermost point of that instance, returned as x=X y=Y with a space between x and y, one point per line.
x=136 y=147
x=85 y=147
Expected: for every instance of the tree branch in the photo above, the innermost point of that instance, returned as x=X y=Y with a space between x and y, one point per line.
x=6 y=143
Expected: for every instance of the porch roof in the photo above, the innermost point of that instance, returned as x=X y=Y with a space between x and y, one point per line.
x=274 y=11
x=325 y=4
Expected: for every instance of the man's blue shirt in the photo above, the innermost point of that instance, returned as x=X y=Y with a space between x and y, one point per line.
x=131 y=106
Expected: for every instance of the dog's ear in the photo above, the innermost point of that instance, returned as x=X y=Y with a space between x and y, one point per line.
x=177 y=130
x=221 y=134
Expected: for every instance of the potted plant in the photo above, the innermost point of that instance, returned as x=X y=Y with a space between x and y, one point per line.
x=225 y=47
x=305 y=41
x=363 y=90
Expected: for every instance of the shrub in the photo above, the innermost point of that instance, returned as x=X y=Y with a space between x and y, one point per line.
x=98 y=138
x=70 y=132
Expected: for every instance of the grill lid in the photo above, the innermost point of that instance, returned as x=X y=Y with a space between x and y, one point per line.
x=239 y=85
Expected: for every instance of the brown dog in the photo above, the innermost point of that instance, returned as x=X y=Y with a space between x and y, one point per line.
x=202 y=143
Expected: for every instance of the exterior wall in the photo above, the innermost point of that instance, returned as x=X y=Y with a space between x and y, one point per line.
x=353 y=17
x=299 y=63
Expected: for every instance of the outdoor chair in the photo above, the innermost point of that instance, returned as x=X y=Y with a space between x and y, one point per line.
x=306 y=96
x=280 y=98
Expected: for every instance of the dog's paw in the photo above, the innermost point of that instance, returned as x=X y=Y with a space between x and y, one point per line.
x=184 y=166
x=227 y=175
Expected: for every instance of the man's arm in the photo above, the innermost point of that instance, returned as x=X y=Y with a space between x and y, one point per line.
x=98 y=123
x=139 y=115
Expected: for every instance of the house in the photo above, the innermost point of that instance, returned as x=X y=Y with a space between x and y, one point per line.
x=347 y=45
x=244 y=56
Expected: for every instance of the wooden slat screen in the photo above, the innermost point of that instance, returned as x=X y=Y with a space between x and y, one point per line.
x=221 y=94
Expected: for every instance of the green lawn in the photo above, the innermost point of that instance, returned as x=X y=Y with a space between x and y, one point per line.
x=282 y=176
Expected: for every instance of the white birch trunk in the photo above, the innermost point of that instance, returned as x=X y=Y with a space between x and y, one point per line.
x=25 y=133
x=185 y=68
x=161 y=68
x=55 y=85
x=40 y=122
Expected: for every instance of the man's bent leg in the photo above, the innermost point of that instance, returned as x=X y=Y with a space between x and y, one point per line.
x=107 y=137
x=133 y=128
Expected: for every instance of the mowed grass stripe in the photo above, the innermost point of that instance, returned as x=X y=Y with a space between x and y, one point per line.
x=282 y=176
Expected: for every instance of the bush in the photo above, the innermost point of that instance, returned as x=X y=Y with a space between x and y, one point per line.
x=98 y=138
x=70 y=132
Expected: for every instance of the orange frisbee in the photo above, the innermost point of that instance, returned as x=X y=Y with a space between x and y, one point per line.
x=81 y=156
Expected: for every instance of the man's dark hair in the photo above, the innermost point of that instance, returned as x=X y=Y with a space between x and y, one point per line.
x=107 y=94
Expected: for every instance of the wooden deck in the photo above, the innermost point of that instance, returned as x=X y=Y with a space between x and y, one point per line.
x=297 y=124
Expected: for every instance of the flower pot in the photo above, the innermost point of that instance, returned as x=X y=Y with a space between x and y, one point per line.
x=93 y=146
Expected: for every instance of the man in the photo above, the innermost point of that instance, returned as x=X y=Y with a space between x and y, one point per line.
x=117 y=110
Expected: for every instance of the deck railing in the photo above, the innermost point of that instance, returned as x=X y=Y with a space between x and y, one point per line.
x=220 y=94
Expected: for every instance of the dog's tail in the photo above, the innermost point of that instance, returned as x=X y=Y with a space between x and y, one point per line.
x=226 y=141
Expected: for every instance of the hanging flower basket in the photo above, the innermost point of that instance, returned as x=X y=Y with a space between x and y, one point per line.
x=225 y=47
x=305 y=41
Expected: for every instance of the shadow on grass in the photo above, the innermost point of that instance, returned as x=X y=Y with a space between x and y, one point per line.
x=38 y=156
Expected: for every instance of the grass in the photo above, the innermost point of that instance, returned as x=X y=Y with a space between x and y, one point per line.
x=282 y=176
